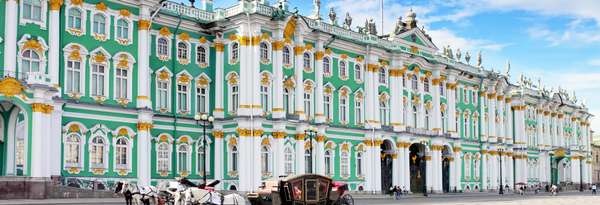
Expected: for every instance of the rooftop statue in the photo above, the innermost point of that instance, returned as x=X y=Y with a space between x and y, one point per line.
x=479 y=59
x=316 y=9
x=467 y=57
x=372 y=27
x=332 y=16
x=399 y=26
x=458 y=54
x=348 y=21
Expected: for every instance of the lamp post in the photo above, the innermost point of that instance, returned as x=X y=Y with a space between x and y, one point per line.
x=580 y=174
x=204 y=120
x=501 y=186
x=311 y=132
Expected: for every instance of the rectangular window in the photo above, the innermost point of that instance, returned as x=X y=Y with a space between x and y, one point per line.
x=327 y=107
x=234 y=98
x=98 y=80
x=201 y=100
x=32 y=10
x=163 y=94
x=264 y=98
x=121 y=84
x=73 y=77
x=182 y=98
x=307 y=105
x=343 y=109
x=358 y=112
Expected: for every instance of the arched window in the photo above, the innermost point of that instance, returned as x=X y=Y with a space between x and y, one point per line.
x=345 y=164
x=343 y=69
x=326 y=66
x=426 y=84
x=288 y=161
x=32 y=10
x=74 y=18
x=476 y=127
x=234 y=158
x=358 y=110
x=203 y=162
x=343 y=109
x=414 y=116
x=476 y=166
x=427 y=119
x=467 y=166
x=306 y=61
x=415 y=83
x=357 y=72
x=121 y=153
x=359 y=163
x=73 y=76
x=265 y=159
x=383 y=112
x=183 y=153
x=382 y=75
x=234 y=98
x=99 y=25
x=475 y=96
x=182 y=50
x=30 y=61
x=235 y=52
x=308 y=104
x=72 y=150
x=442 y=89
x=327 y=101
x=97 y=150
x=466 y=127
x=162 y=45
x=122 y=76
x=122 y=29
x=201 y=55
x=328 y=163
x=308 y=161
x=264 y=52
x=444 y=122
x=465 y=96
x=286 y=56
x=202 y=99
x=288 y=100
x=163 y=157
x=182 y=97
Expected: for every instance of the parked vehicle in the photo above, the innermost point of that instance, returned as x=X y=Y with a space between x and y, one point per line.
x=307 y=189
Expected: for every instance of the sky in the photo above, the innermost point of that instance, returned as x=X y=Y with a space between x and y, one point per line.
x=557 y=41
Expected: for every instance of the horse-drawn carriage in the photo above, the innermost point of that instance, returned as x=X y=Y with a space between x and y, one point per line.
x=307 y=189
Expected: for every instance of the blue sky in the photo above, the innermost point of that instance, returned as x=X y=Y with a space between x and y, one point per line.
x=555 y=40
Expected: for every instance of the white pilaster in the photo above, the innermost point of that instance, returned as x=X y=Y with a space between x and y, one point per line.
x=319 y=112
x=435 y=91
x=53 y=41
x=278 y=111
x=299 y=73
x=219 y=111
x=451 y=90
x=219 y=159
x=144 y=145
x=143 y=98
x=10 y=38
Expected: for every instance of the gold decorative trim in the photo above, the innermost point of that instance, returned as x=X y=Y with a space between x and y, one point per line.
x=10 y=87
x=55 y=5
x=144 y=126
x=41 y=107
x=279 y=135
x=249 y=133
x=101 y=6
x=143 y=24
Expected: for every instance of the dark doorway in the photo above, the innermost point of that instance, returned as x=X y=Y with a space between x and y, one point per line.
x=417 y=168
x=446 y=175
x=387 y=149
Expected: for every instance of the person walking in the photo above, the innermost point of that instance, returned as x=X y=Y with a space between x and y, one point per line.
x=594 y=189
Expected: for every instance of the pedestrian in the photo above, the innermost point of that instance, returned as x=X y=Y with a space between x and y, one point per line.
x=594 y=189
x=554 y=190
x=393 y=190
x=399 y=192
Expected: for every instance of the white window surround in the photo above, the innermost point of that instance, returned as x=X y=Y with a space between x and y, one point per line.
x=266 y=150
x=130 y=63
x=360 y=170
x=199 y=146
x=42 y=54
x=168 y=89
x=107 y=69
x=288 y=160
x=169 y=142
x=331 y=171
x=129 y=39
x=382 y=76
x=287 y=57
x=269 y=52
x=230 y=161
x=83 y=53
x=81 y=152
x=230 y=52
x=307 y=62
x=99 y=131
x=358 y=68
x=207 y=95
x=163 y=57
x=230 y=93
x=188 y=157
x=206 y=47
x=344 y=163
x=107 y=23
x=187 y=108
x=343 y=115
x=343 y=69
x=43 y=15
x=129 y=147
x=327 y=66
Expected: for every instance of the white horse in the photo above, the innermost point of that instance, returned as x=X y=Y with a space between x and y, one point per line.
x=136 y=194
x=186 y=194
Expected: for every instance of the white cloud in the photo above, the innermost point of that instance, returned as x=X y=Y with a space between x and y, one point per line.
x=447 y=37
x=594 y=62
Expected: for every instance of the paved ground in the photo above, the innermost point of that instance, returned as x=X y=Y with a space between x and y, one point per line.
x=573 y=198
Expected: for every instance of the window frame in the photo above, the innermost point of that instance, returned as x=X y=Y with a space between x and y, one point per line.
x=234 y=52
x=129 y=39
x=80 y=150
x=43 y=14
x=206 y=55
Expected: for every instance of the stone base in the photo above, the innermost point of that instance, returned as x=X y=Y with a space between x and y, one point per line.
x=44 y=188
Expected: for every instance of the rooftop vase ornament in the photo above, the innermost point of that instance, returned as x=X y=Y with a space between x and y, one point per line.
x=479 y=59
x=458 y=54
x=399 y=26
x=316 y=9
x=467 y=57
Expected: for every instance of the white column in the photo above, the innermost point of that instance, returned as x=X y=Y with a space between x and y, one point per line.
x=54 y=158
x=300 y=165
x=144 y=146
x=39 y=151
x=500 y=107
x=430 y=178
x=10 y=38
x=371 y=92
x=369 y=158
x=143 y=98
x=421 y=105
x=53 y=41
x=401 y=166
x=219 y=111
x=396 y=168
x=249 y=70
x=249 y=145
x=437 y=169
x=299 y=73
x=377 y=165
x=279 y=135
x=435 y=91
x=406 y=162
x=484 y=170
x=219 y=164
x=451 y=90
x=492 y=116
x=277 y=83
x=319 y=111
x=320 y=151
x=458 y=168
x=396 y=95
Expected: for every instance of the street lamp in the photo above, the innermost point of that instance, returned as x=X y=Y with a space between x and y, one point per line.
x=501 y=186
x=580 y=174
x=311 y=132
x=204 y=120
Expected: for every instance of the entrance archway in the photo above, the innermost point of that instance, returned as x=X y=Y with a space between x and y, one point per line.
x=13 y=140
x=387 y=150
x=417 y=168
x=447 y=156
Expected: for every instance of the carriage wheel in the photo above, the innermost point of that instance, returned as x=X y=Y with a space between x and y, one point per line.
x=346 y=200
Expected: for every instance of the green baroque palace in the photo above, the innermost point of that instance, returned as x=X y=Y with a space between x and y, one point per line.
x=104 y=90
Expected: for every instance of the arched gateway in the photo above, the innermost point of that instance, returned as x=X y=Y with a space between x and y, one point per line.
x=417 y=161
x=387 y=158
x=13 y=140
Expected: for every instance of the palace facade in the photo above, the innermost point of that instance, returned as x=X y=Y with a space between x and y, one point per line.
x=103 y=90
